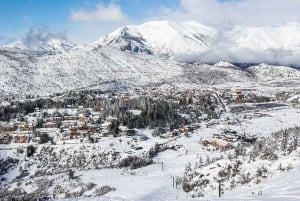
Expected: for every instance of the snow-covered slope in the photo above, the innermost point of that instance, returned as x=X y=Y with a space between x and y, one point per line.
x=267 y=72
x=50 y=46
x=184 y=42
x=225 y=64
x=194 y=42
x=148 y=53
x=28 y=72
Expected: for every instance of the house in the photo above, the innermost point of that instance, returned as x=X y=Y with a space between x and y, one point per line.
x=111 y=119
x=220 y=144
x=21 y=139
x=4 y=139
x=84 y=120
x=91 y=128
x=19 y=124
x=7 y=128
x=56 y=120
x=83 y=129
x=217 y=143
x=69 y=118
x=26 y=127
x=74 y=132
x=124 y=130
x=68 y=123
x=49 y=125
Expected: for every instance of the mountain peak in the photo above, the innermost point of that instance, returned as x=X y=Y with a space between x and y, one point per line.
x=180 y=41
x=224 y=64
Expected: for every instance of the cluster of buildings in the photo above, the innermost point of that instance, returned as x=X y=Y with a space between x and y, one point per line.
x=226 y=140
x=59 y=125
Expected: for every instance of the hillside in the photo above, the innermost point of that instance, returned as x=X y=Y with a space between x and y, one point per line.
x=151 y=53
x=182 y=42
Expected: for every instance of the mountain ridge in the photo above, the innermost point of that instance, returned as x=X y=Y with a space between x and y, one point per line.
x=138 y=64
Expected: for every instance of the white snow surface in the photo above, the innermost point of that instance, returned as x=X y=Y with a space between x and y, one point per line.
x=166 y=38
x=194 y=42
x=25 y=72
x=275 y=73
x=149 y=55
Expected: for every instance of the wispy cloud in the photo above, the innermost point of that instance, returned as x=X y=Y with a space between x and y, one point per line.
x=237 y=12
x=39 y=35
x=111 y=12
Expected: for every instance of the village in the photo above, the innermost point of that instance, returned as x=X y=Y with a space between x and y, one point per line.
x=133 y=135
x=83 y=124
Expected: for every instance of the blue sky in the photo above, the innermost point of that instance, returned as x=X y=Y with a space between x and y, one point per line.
x=87 y=20
x=17 y=16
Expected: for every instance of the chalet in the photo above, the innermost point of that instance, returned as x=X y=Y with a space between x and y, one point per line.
x=68 y=123
x=21 y=139
x=4 y=139
x=95 y=115
x=56 y=120
x=49 y=125
x=84 y=120
x=73 y=132
x=126 y=131
x=83 y=129
x=217 y=143
x=26 y=128
x=19 y=124
x=68 y=118
x=111 y=119
x=7 y=128
x=92 y=128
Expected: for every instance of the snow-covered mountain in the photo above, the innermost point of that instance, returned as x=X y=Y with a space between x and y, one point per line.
x=30 y=72
x=50 y=46
x=194 y=42
x=267 y=72
x=136 y=56
x=184 y=41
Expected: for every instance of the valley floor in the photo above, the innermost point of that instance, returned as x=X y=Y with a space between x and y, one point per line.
x=155 y=182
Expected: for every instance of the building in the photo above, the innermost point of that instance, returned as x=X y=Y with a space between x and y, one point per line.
x=21 y=139
x=4 y=139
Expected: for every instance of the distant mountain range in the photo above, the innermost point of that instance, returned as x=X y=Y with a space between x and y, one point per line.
x=153 y=53
x=193 y=42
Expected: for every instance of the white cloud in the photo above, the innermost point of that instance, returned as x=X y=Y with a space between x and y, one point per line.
x=112 y=12
x=39 y=35
x=237 y=12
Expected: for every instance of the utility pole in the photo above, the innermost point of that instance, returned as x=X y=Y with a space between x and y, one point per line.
x=173 y=182
x=220 y=189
